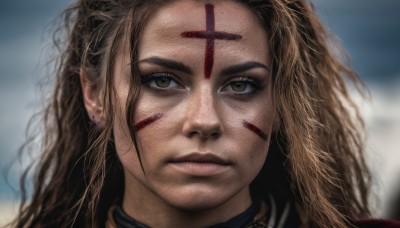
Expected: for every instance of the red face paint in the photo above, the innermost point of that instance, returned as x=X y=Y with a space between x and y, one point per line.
x=144 y=123
x=210 y=35
x=255 y=129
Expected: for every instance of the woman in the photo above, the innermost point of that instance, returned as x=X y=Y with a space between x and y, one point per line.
x=199 y=114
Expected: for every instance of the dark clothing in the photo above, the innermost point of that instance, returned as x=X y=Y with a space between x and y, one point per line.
x=258 y=215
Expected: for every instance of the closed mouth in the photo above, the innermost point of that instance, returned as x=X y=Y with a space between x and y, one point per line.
x=201 y=158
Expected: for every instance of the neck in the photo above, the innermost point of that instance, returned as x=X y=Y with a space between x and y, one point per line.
x=155 y=212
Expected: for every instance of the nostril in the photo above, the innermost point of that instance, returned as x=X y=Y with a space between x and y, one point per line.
x=215 y=135
x=192 y=134
x=202 y=119
x=205 y=133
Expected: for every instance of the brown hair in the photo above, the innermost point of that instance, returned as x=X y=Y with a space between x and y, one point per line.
x=80 y=176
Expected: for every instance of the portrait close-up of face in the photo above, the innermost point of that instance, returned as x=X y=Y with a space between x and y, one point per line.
x=205 y=113
x=197 y=113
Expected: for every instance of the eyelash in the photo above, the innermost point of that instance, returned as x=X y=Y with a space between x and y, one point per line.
x=255 y=84
x=250 y=81
x=148 y=79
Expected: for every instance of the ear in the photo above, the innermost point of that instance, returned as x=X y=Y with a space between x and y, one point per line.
x=91 y=99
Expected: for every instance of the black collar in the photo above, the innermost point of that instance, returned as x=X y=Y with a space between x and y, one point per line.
x=123 y=220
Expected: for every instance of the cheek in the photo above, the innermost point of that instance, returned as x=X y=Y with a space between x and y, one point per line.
x=256 y=130
x=124 y=146
x=126 y=150
x=252 y=133
x=256 y=158
x=151 y=131
x=253 y=152
x=147 y=121
x=123 y=142
x=255 y=142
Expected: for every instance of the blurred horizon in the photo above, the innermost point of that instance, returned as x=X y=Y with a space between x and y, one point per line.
x=369 y=30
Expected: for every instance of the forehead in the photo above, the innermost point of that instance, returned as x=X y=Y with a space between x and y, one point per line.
x=165 y=27
x=228 y=15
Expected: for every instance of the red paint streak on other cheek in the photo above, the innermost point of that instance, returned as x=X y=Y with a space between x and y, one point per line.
x=210 y=35
x=255 y=129
x=146 y=122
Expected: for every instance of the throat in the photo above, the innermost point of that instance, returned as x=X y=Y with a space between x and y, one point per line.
x=182 y=209
x=244 y=219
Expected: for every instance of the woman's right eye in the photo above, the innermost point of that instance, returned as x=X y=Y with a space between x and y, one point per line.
x=160 y=81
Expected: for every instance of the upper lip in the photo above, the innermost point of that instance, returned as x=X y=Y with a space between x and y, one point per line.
x=201 y=158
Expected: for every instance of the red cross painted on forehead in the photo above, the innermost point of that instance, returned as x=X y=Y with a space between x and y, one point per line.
x=210 y=35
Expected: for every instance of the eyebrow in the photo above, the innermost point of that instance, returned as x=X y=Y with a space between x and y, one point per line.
x=179 y=66
x=171 y=64
x=234 y=69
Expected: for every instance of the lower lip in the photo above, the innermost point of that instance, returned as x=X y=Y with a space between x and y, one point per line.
x=200 y=168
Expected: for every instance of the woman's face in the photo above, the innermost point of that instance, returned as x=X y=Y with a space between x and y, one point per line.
x=205 y=113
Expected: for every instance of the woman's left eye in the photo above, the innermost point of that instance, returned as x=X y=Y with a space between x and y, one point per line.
x=241 y=86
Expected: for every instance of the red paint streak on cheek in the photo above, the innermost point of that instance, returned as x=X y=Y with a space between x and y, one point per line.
x=255 y=129
x=146 y=122
x=210 y=35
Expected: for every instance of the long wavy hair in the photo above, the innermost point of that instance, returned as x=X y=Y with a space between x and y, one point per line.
x=316 y=159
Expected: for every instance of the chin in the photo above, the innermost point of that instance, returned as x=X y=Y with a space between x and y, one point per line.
x=199 y=204
x=200 y=199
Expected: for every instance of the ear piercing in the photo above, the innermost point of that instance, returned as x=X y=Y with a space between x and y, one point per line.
x=94 y=119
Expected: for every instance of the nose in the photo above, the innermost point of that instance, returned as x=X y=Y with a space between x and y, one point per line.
x=202 y=118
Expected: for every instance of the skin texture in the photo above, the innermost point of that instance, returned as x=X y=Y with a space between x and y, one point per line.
x=198 y=157
x=210 y=35
x=321 y=125
x=144 y=123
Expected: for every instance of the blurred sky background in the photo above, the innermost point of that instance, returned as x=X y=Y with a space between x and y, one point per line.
x=369 y=30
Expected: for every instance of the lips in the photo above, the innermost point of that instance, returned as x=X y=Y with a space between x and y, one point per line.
x=201 y=165
x=201 y=158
